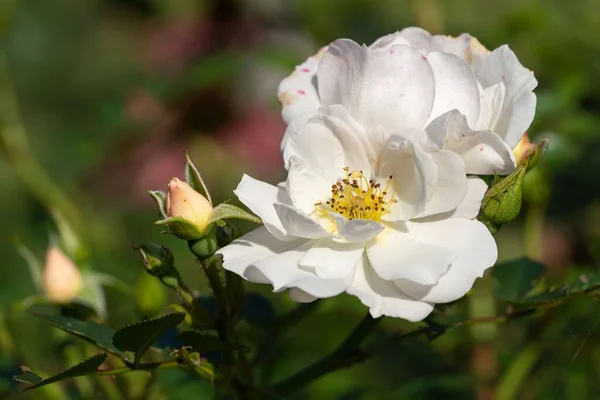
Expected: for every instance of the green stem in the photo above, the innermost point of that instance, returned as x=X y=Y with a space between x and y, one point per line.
x=345 y=355
x=225 y=327
x=141 y=367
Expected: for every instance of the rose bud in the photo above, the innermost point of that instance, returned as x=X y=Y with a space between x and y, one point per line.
x=62 y=279
x=184 y=202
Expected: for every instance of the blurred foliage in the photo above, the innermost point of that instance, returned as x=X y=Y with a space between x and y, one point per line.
x=110 y=93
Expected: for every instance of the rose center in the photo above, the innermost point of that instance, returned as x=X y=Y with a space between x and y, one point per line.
x=355 y=197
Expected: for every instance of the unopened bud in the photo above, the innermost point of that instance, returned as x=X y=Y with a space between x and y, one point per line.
x=186 y=203
x=522 y=148
x=204 y=247
x=527 y=152
x=62 y=279
x=158 y=260
x=502 y=202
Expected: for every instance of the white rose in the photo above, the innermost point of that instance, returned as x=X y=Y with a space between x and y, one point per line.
x=483 y=101
x=372 y=206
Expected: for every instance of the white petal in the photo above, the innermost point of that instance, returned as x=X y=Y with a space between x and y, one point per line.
x=297 y=93
x=516 y=119
x=322 y=288
x=391 y=88
x=483 y=152
x=297 y=223
x=306 y=186
x=451 y=186
x=290 y=131
x=397 y=255
x=476 y=250
x=469 y=207
x=259 y=197
x=519 y=103
x=331 y=259
x=281 y=269
x=389 y=40
x=359 y=154
x=417 y=37
x=356 y=230
x=414 y=175
x=383 y=297
x=333 y=134
x=301 y=296
x=423 y=40
x=277 y=263
x=459 y=46
x=251 y=247
x=471 y=204
x=318 y=152
x=492 y=99
x=455 y=86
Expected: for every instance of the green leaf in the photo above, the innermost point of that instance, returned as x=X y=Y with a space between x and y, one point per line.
x=224 y=211
x=548 y=297
x=35 y=267
x=194 y=178
x=28 y=376
x=200 y=342
x=515 y=278
x=96 y=334
x=160 y=198
x=87 y=367
x=584 y=282
x=182 y=228
x=138 y=337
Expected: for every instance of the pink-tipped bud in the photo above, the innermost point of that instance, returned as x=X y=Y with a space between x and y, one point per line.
x=185 y=202
x=62 y=279
x=523 y=149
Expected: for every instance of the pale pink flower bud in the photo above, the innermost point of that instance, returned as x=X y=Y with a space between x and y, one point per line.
x=62 y=279
x=185 y=202
x=523 y=149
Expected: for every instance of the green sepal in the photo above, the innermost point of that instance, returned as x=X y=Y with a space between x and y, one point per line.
x=138 y=337
x=194 y=178
x=182 y=228
x=226 y=211
x=87 y=367
x=160 y=198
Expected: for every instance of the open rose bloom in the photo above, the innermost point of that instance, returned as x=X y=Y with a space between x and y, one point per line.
x=378 y=201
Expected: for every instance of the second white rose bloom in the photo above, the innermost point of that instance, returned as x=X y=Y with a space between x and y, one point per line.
x=483 y=101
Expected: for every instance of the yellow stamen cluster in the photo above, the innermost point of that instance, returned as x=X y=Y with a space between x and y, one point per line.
x=355 y=197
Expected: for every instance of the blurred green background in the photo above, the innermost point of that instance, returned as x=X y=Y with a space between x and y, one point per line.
x=111 y=91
